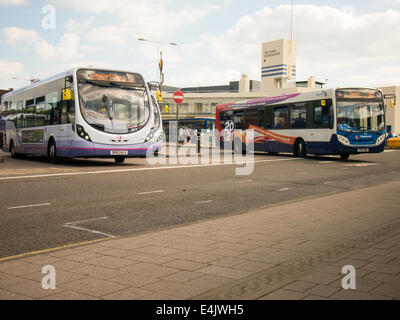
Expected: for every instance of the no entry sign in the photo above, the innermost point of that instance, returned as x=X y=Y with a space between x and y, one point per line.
x=178 y=97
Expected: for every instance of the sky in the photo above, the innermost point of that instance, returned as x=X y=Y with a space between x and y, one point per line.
x=345 y=43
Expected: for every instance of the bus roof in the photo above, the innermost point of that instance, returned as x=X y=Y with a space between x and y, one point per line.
x=55 y=77
x=281 y=98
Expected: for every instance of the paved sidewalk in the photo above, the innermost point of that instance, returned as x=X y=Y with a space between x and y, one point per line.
x=290 y=251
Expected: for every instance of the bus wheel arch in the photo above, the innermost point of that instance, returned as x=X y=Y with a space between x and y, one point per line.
x=299 y=148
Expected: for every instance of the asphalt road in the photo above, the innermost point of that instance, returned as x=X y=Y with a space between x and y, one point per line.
x=46 y=206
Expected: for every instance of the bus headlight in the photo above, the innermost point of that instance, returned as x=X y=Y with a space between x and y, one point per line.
x=381 y=139
x=343 y=140
x=149 y=137
x=82 y=133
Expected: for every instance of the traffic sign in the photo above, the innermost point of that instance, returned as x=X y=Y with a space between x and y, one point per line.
x=178 y=97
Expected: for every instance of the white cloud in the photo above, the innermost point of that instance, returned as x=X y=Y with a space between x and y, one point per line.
x=16 y=3
x=203 y=76
x=137 y=18
x=111 y=34
x=74 y=26
x=10 y=68
x=67 y=49
x=330 y=42
x=14 y=35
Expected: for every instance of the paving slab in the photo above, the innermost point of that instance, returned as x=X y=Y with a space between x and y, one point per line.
x=294 y=250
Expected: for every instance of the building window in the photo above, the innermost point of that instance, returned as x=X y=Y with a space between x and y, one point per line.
x=199 y=108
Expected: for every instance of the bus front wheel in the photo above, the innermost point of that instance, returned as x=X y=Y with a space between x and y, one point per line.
x=344 y=156
x=52 y=153
x=119 y=159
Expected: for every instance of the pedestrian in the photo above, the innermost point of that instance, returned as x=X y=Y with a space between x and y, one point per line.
x=181 y=136
x=187 y=135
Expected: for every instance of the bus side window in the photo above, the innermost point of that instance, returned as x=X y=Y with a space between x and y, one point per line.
x=20 y=115
x=251 y=118
x=71 y=112
x=63 y=112
x=281 y=117
x=323 y=114
x=12 y=115
x=222 y=118
x=40 y=111
x=269 y=118
x=52 y=108
x=298 y=115
x=5 y=110
x=29 y=113
x=261 y=118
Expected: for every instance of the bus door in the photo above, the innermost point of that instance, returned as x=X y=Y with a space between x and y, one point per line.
x=66 y=126
x=260 y=144
x=227 y=125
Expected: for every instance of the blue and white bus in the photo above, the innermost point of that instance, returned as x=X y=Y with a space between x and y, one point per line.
x=85 y=113
x=326 y=122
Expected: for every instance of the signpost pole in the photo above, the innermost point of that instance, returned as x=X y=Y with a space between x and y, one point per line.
x=177 y=128
x=178 y=98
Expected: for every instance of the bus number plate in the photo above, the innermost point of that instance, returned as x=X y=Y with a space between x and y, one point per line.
x=119 y=152
x=363 y=150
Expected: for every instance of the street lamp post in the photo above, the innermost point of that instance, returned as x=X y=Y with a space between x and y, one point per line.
x=161 y=66
x=159 y=54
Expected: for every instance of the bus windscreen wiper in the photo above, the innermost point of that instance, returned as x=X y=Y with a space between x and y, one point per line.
x=121 y=86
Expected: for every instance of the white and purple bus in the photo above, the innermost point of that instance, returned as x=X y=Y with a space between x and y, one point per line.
x=82 y=113
x=341 y=121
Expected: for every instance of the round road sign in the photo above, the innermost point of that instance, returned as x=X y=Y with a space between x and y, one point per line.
x=178 y=97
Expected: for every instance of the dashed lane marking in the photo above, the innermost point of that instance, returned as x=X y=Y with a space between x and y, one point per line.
x=203 y=202
x=150 y=192
x=77 y=173
x=30 y=206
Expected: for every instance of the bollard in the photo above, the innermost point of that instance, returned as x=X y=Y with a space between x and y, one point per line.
x=198 y=142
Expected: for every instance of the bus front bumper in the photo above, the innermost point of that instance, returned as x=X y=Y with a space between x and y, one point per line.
x=96 y=150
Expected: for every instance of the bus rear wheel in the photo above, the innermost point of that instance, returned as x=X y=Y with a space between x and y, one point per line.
x=300 y=149
x=12 y=150
x=344 y=156
x=239 y=147
x=119 y=159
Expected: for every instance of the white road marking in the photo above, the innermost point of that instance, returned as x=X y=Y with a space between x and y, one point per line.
x=244 y=181
x=83 y=221
x=362 y=165
x=30 y=206
x=327 y=182
x=203 y=202
x=89 y=230
x=136 y=169
x=284 y=189
x=323 y=162
x=150 y=192
x=73 y=225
